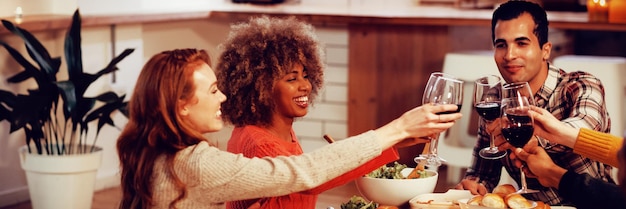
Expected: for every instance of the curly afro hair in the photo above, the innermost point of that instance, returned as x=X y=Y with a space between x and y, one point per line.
x=258 y=53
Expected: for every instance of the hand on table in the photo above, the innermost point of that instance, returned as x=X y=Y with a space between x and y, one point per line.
x=472 y=185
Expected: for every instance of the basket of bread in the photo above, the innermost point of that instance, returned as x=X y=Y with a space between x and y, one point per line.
x=503 y=196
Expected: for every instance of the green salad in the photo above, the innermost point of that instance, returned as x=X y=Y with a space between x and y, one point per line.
x=357 y=202
x=386 y=172
x=395 y=172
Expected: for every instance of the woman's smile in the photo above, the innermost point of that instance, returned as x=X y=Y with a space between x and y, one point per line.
x=302 y=101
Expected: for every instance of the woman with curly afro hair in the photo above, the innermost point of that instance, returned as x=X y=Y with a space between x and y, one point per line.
x=271 y=70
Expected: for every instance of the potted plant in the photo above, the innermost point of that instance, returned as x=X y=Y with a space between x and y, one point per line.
x=55 y=116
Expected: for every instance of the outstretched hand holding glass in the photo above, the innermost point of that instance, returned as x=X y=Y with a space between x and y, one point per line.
x=440 y=89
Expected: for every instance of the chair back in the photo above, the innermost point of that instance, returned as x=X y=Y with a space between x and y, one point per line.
x=467 y=66
x=612 y=73
x=456 y=145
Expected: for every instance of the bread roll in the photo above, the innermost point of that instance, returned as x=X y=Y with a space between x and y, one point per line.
x=541 y=205
x=517 y=201
x=493 y=201
x=476 y=200
x=503 y=190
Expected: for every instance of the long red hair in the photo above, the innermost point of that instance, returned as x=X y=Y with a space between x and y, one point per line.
x=154 y=127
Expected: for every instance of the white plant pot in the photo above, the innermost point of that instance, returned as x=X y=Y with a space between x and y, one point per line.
x=65 y=181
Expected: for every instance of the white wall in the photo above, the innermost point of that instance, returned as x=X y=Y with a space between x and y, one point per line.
x=8 y=8
x=34 y=7
x=97 y=52
x=329 y=114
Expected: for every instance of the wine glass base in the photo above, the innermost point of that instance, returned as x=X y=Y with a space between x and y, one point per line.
x=526 y=191
x=431 y=160
x=491 y=154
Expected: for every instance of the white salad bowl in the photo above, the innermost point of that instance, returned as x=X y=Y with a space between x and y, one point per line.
x=395 y=192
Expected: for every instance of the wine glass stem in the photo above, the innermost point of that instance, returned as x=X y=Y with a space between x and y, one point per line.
x=433 y=145
x=523 y=178
x=492 y=143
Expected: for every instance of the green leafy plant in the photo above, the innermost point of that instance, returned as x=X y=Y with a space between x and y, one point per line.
x=56 y=114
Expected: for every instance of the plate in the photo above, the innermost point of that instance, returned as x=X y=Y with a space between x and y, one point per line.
x=464 y=205
x=454 y=199
x=447 y=200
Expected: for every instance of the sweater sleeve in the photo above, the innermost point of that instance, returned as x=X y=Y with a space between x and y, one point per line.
x=222 y=176
x=598 y=146
x=388 y=155
x=587 y=192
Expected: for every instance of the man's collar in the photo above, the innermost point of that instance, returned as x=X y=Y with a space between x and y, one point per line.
x=550 y=84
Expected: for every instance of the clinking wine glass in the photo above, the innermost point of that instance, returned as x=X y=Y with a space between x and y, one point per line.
x=441 y=89
x=516 y=122
x=487 y=98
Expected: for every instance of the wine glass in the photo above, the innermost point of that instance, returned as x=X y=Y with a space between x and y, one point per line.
x=517 y=125
x=441 y=89
x=428 y=90
x=487 y=97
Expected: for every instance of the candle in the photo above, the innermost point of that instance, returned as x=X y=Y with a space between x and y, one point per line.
x=18 y=15
x=617 y=11
x=598 y=10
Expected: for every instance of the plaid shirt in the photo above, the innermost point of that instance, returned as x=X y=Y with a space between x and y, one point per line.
x=576 y=98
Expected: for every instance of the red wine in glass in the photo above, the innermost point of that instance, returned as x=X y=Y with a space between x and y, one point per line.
x=520 y=129
x=518 y=136
x=458 y=109
x=488 y=110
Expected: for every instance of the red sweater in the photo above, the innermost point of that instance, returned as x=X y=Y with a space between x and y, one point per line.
x=253 y=141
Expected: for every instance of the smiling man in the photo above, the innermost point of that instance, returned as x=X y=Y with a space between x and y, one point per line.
x=521 y=52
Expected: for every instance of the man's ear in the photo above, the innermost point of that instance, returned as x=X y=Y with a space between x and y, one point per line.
x=546 y=50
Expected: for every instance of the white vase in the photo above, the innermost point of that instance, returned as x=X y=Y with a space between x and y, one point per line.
x=65 y=181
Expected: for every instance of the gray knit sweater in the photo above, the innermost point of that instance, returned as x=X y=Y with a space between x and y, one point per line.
x=213 y=176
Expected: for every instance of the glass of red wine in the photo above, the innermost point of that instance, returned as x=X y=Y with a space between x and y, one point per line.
x=516 y=123
x=487 y=98
x=441 y=89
